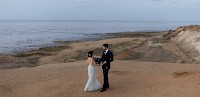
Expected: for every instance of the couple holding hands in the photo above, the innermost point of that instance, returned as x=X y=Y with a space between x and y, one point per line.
x=92 y=83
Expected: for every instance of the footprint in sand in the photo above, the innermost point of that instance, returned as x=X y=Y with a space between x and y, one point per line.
x=119 y=72
x=5 y=89
x=184 y=74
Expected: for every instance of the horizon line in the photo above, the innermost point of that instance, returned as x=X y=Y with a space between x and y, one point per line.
x=93 y=20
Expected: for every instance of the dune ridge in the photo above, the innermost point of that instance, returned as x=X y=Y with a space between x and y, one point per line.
x=188 y=38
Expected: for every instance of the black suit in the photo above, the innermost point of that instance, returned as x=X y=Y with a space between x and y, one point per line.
x=108 y=57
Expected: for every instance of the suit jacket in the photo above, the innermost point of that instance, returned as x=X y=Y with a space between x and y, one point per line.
x=108 y=57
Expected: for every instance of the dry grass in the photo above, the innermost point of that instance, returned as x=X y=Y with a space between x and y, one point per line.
x=78 y=51
x=128 y=47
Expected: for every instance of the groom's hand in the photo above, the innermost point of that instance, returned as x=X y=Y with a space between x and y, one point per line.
x=104 y=62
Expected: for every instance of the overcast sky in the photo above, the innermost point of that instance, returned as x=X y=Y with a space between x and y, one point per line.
x=125 y=10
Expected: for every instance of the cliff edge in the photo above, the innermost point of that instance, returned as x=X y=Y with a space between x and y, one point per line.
x=188 y=38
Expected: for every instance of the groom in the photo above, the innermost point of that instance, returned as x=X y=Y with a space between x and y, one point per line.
x=107 y=57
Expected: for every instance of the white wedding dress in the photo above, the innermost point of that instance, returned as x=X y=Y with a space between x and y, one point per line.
x=92 y=83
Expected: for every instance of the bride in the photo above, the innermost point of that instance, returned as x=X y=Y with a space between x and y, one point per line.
x=92 y=83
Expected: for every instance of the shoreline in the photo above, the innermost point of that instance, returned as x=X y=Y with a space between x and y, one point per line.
x=140 y=46
x=99 y=36
x=54 y=43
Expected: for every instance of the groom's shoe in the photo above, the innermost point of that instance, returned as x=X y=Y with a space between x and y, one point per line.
x=103 y=90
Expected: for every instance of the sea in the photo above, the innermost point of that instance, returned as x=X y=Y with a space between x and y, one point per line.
x=24 y=35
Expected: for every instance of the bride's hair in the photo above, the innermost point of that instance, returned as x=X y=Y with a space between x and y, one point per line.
x=90 y=53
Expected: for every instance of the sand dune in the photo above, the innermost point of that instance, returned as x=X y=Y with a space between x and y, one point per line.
x=127 y=79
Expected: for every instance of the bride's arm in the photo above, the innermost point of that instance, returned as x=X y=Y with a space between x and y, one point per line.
x=87 y=62
x=94 y=63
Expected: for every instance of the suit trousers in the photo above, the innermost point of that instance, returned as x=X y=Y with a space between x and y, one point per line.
x=105 y=75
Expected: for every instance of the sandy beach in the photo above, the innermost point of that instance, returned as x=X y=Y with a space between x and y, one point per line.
x=146 y=65
x=127 y=79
